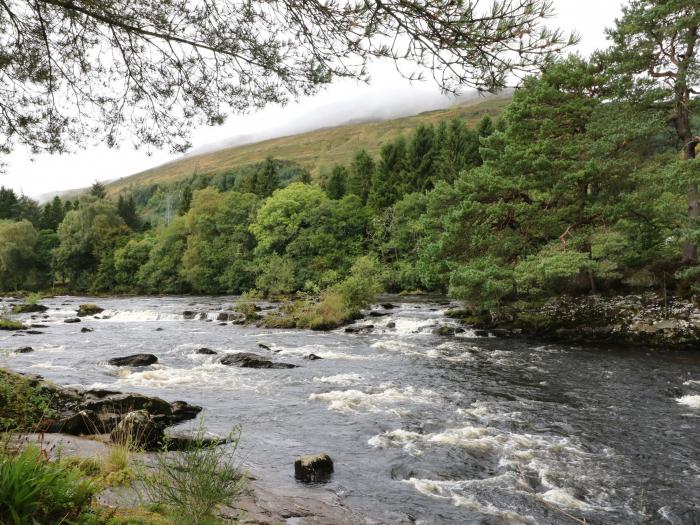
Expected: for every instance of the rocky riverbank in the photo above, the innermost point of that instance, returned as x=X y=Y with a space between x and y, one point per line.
x=642 y=320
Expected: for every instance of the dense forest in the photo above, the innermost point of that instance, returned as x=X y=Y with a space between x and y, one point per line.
x=580 y=186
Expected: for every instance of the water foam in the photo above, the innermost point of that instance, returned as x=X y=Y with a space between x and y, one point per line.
x=138 y=316
x=693 y=401
x=379 y=401
x=340 y=379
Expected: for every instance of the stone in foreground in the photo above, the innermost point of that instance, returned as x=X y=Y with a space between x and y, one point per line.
x=313 y=469
x=134 y=360
x=139 y=429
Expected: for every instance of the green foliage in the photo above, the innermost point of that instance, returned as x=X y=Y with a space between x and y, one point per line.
x=9 y=324
x=22 y=406
x=17 y=253
x=484 y=281
x=193 y=482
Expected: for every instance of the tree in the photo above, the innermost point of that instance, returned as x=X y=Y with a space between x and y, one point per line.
x=126 y=208
x=52 y=214
x=77 y=70
x=87 y=237
x=485 y=127
x=336 y=185
x=656 y=43
x=98 y=190
x=390 y=176
x=360 y=175
x=420 y=159
x=8 y=203
x=17 y=242
x=185 y=201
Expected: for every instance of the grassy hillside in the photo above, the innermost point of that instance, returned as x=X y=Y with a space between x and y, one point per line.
x=323 y=147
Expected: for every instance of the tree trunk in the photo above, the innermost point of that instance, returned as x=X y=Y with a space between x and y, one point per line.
x=690 y=251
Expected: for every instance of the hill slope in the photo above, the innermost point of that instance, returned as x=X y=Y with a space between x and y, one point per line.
x=323 y=147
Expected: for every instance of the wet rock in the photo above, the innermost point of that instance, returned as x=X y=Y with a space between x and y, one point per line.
x=374 y=313
x=388 y=306
x=444 y=331
x=392 y=324
x=81 y=423
x=223 y=324
x=159 y=329
x=188 y=314
x=39 y=326
x=264 y=347
x=314 y=469
x=72 y=320
x=481 y=333
x=25 y=350
x=459 y=330
x=313 y=357
x=363 y=329
x=89 y=309
x=230 y=316
x=134 y=360
x=248 y=360
x=33 y=332
x=674 y=391
x=85 y=330
x=139 y=429
x=182 y=411
x=28 y=308
x=205 y=351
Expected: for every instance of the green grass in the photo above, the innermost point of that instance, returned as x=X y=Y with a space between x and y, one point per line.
x=191 y=484
x=35 y=490
x=312 y=150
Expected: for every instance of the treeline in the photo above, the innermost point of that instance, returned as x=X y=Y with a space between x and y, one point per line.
x=576 y=188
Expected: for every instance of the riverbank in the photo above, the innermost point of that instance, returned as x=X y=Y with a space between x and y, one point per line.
x=647 y=320
x=78 y=433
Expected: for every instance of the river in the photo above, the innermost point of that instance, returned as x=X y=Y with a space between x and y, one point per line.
x=422 y=428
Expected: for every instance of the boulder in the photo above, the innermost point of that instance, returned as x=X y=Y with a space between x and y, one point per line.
x=140 y=430
x=28 y=308
x=81 y=423
x=85 y=330
x=188 y=314
x=134 y=360
x=24 y=350
x=205 y=351
x=444 y=331
x=313 y=357
x=72 y=320
x=248 y=360
x=89 y=309
x=363 y=329
x=313 y=468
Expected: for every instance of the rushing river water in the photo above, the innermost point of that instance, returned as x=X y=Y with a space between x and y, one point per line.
x=422 y=428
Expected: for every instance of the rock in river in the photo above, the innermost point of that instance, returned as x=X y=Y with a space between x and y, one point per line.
x=205 y=351
x=134 y=360
x=248 y=360
x=139 y=429
x=24 y=350
x=72 y=320
x=313 y=468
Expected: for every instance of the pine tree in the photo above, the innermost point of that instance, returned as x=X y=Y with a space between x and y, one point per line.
x=98 y=190
x=126 y=208
x=360 y=175
x=485 y=127
x=336 y=186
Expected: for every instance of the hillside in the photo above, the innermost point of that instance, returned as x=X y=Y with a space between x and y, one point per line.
x=323 y=147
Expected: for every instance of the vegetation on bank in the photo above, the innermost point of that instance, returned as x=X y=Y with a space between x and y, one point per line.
x=581 y=186
x=186 y=486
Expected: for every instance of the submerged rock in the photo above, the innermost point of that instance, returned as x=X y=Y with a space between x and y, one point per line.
x=248 y=360
x=134 y=360
x=388 y=306
x=188 y=314
x=33 y=332
x=313 y=468
x=374 y=313
x=85 y=330
x=363 y=329
x=264 y=347
x=72 y=320
x=205 y=351
x=445 y=330
x=313 y=357
x=24 y=350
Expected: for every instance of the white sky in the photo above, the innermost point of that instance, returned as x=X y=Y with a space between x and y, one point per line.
x=388 y=95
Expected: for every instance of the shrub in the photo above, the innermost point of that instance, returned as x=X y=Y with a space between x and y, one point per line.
x=35 y=490
x=22 y=406
x=191 y=483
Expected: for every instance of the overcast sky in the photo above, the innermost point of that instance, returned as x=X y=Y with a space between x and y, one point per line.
x=387 y=96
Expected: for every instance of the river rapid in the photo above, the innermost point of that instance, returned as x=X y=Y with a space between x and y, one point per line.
x=422 y=428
